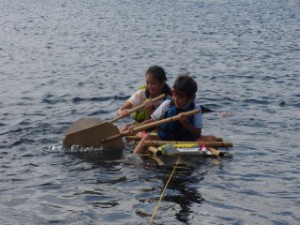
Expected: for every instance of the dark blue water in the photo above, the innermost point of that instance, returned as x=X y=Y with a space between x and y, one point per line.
x=64 y=60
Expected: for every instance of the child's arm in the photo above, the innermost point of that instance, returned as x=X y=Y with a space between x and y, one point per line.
x=135 y=100
x=123 y=111
x=156 y=115
x=191 y=128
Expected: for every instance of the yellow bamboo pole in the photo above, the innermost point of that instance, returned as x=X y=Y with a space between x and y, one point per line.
x=206 y=143
x=157 y=152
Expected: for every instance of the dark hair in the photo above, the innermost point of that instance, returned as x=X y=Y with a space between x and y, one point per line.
x=157 y=72
x=160 y=75
x=186 y=84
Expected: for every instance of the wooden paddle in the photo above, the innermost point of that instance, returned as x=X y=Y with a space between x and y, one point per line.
x=108 y=135
x=84 y=123
x=77 y=132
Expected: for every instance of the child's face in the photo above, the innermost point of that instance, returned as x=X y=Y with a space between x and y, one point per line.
x=154 y=86
x=180 y=99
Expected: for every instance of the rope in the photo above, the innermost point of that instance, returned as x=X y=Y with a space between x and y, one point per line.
x=163 y=192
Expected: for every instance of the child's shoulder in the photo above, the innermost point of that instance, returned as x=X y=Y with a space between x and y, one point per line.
x=140 y=93
x=167 y=102
x=138 y=97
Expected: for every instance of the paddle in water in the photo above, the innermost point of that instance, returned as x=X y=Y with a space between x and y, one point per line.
x=108 y=135
x=88 y=131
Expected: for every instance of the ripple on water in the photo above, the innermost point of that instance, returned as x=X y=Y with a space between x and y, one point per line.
x=64 y=61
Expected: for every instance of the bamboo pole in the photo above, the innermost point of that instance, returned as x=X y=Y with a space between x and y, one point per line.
x=158 y=161
x=175 y=152
x=206 y=143
x=149 y=125
x=154 y=151
x=216 y=152
x=138 y=138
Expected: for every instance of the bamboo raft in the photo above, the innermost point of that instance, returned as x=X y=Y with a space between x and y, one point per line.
x=158 y=149
x=92 y=132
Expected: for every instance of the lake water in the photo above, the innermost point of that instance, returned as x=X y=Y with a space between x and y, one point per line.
x=64 y=60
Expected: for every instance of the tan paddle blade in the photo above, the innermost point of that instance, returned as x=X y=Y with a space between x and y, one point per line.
x=92 y=136
x=82 y=124
x=90 y=132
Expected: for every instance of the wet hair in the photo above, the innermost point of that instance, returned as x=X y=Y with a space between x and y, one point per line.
x=186 y=85
x=159 y=74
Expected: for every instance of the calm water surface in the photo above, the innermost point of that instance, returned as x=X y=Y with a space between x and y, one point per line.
x=64 y=60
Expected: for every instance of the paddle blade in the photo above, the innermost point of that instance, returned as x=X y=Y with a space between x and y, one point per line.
x=93 y=136
x=82 y=124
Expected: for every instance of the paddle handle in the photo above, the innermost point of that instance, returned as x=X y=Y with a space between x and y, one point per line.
x=151 y=125
x=138 y=107
x=159 y=122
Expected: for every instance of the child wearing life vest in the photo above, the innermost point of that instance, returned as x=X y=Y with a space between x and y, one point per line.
x=155 y=85
x=187 y=128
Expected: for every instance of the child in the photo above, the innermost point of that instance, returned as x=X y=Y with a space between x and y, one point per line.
x=155 y=86
x=187 y=128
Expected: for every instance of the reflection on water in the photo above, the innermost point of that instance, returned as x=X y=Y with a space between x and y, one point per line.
x=181 y=186
x=182 y=191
